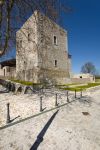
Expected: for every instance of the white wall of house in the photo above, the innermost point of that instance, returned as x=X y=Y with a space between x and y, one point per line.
x=83 y=78
x=1 y=71
x=7 y=71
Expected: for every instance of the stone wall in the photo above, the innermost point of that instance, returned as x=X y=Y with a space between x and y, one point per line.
x=70 y=65
x=49 y=52
x=1 y=71
x=37 y=56
x=26 y=51
x=83 y=78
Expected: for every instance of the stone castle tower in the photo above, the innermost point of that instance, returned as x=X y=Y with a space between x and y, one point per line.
x=42 y=51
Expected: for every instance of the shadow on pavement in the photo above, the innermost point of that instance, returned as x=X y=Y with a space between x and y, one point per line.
x=4 y=91
x=42 y=133
x=14 y=119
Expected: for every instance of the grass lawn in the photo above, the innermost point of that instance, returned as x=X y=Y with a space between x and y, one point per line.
x=23 y=82
x=79 y=88
x=97 y=80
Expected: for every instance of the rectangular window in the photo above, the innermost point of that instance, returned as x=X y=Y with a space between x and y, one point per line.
x=55 y=63
x=29 y=37
x=19 y=43
x=55 y=40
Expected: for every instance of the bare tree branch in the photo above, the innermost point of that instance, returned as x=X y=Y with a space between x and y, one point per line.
x=13 y=13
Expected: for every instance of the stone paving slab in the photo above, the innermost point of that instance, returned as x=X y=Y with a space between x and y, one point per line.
x=67 y=129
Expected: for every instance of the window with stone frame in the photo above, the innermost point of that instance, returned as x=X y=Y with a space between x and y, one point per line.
x=19 y=43
x=30 y=31
x=29 y=37
x=55 y=40
x=55 y=63
x=81 y=77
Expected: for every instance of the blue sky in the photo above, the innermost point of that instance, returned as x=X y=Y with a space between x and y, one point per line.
x=83 y=26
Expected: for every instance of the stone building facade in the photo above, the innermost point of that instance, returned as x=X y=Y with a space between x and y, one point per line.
x=42 y=51
x=8 y=69
x=83 y=78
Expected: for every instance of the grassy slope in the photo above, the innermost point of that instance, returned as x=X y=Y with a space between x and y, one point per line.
x=79 y=88
x=23 y=82
x=63 y=87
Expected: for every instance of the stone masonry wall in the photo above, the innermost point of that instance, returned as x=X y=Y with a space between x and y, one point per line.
x=37 y=57
x=50 y=52
x=83 y=80
x=26 y=55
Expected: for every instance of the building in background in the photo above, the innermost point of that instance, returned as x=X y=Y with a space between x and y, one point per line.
x=8 y=68
x=83 y=78
x=42 y=54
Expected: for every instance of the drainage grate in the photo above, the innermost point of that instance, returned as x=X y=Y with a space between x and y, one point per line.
x=85 y=113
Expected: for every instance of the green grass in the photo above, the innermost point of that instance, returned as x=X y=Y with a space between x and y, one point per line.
x=97 y=77
x=97 y=80
x=28 y=83
x=62 y=85
x=79 y=88
x=25 y=82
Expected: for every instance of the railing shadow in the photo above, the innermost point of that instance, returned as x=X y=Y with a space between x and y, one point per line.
x=4 y=91
x=42 y=133
x=14 y=119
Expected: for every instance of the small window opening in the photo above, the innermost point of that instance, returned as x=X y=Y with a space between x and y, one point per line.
x=29 y=37
x=81 y=77
x=55 y=63
x=19 y=43
x=55 y=40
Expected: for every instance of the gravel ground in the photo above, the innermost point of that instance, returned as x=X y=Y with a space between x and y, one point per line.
x=75 y=126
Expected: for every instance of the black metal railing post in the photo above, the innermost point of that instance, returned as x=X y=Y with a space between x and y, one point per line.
x=56 y=104
x=75 y=93
x=67 y=97
x=41 y=103
x=81 y=93
x=8 y=113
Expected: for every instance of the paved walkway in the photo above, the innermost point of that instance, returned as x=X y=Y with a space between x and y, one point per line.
x=67 y=129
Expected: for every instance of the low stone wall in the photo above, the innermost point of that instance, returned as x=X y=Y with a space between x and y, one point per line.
x=77 y=85
x=81 y=80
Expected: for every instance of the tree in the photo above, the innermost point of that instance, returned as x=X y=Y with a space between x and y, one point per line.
x=13 y=14
x=88 y=68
